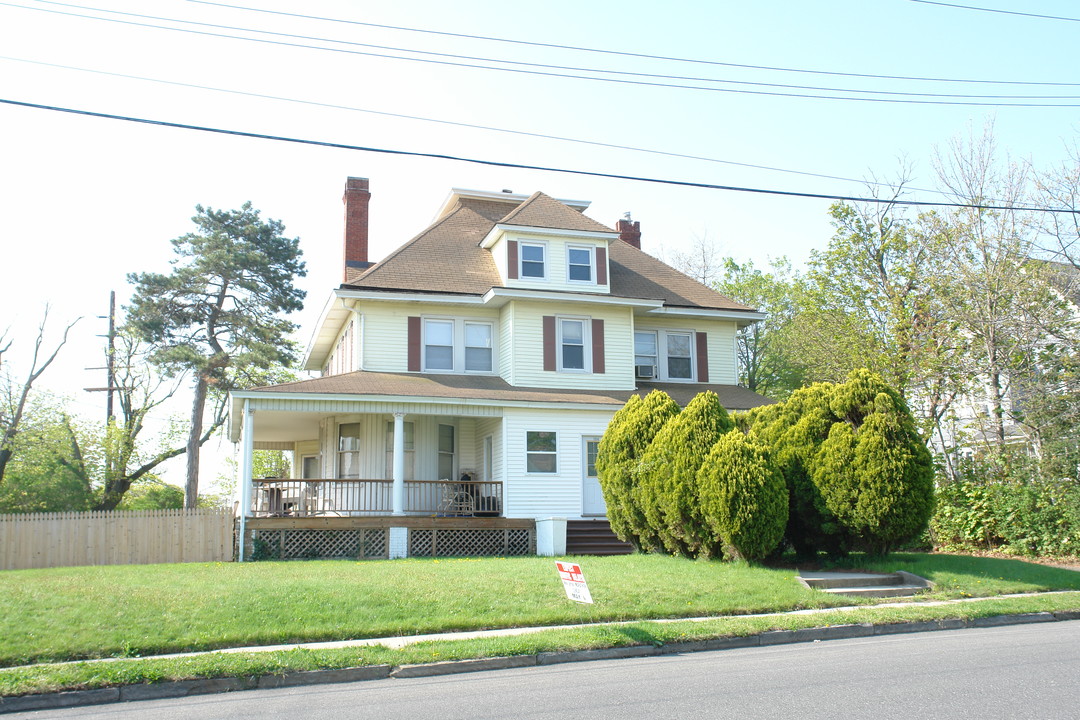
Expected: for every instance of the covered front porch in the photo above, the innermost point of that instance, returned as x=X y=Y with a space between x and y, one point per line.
x=374 y=478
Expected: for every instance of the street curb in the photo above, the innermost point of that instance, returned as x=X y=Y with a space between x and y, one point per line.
x=184 y=688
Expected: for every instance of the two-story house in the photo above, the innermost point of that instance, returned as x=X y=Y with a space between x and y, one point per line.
x=467 y=377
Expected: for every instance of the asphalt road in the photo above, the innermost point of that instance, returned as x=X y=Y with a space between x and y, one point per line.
x=1024 y=671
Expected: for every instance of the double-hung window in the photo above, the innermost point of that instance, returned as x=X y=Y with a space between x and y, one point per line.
x=540 y=452
x=666 y=355
x=571 y=343
x=579 y=264
x=439 y=345
x=477 y=347
x=446 y=452
x=456 y=345
x=348 y=450
x=680 y=364
x=533 y=263
x=645 y=365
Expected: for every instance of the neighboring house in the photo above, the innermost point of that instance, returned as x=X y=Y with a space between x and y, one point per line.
x=467 y=378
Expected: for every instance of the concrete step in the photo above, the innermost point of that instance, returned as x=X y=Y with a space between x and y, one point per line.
x=856 y=584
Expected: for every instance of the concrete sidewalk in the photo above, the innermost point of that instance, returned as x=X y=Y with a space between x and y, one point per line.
x=186 y=688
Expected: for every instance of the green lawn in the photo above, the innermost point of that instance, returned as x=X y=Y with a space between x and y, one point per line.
x=116 y=611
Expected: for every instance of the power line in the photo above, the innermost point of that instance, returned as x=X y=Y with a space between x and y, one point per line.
x=540 y=73
x=980 y=9
x=452 y=123
x=622 y=52
x=520 y=166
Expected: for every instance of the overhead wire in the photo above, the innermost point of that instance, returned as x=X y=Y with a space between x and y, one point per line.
x=986 y=9
x=621 y=53
x=522 y=166
x=963 y=101
x=487 y=128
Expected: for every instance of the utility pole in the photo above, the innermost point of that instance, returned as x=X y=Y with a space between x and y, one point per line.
x=110 y=361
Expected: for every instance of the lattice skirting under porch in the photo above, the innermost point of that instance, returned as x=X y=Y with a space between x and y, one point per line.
x=455 y=542
x=288 y=544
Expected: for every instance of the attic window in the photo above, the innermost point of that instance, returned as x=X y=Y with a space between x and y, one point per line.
x=532 y=260
x=579 y=262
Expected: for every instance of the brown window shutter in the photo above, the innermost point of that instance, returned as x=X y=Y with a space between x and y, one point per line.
x=702 y=357
x=549 y=342
x=597 y=346
x=511 y=259
x=414 y=344
x=601 y=266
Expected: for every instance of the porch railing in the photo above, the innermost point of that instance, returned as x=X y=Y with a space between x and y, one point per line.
x=340 y=498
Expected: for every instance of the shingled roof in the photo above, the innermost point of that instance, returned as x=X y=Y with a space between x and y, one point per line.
x=544 y=211
x=495 y=389
x=447 y=258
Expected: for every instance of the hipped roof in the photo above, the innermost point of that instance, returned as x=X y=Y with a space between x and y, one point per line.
x=447 y=257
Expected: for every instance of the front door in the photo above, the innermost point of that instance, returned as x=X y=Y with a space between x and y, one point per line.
x=592 y=499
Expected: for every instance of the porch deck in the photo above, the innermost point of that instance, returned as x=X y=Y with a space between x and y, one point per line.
x=337 y=498
x=287 y=537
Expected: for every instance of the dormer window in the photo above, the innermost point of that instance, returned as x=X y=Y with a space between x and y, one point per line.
x=579 y=264
x=532 y=260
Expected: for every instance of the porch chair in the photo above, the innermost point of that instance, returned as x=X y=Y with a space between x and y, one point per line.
x=456 y=500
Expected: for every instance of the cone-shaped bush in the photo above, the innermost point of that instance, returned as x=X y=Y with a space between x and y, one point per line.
x=873 y=471
x=744 y=497
x=627 y=436
x=794 y=431
x=666 y=490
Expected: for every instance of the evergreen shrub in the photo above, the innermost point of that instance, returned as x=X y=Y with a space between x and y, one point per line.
x=744 y=497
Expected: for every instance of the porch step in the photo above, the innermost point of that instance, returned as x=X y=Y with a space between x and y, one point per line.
x=594 y=537
x=877 y=585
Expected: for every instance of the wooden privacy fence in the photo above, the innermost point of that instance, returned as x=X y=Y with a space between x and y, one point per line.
x=116 y=537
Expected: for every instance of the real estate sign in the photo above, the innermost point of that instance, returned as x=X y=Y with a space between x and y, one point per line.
x=574 y=582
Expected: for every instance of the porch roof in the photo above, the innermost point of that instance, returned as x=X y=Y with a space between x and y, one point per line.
x=479 y=389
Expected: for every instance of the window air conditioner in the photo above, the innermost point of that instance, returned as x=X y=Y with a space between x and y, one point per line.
x=645 y=372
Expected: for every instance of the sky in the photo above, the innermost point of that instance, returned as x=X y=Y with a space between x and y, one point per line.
x=86 y=200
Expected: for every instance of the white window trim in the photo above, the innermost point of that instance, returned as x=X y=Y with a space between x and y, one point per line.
x=542 y=452
x=458 y=345
x=592 y=264
x=662 y=374
x=656 y=357
x=522 y=244
x=586 y=342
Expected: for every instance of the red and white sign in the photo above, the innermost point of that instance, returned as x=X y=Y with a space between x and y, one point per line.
x=574 y=582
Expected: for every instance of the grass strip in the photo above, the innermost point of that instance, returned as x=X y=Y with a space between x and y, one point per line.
x=125 y=611
x=48 y=678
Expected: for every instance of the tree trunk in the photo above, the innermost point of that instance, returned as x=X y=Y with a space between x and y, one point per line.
x=191 y=487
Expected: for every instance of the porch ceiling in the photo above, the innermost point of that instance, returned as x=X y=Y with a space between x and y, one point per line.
x=284 y=426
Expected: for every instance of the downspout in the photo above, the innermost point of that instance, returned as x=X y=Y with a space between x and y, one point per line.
x=245 y=472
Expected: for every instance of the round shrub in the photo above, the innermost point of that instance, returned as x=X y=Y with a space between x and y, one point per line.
x=744 y=497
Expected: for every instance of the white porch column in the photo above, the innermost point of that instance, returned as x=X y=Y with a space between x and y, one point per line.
x=399 y=464
x=247 y=453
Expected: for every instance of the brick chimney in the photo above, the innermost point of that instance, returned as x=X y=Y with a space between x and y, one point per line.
x=356 y=225
x=629 y=231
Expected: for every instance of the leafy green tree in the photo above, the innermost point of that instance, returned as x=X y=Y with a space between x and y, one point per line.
x=766 y=364
x=627 y=436
x=39 y=477
x=14 y=394
x=667 y=489
x=152 y=494
x=743 y=496
x=220 y=311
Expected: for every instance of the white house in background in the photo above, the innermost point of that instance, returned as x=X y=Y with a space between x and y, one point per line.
x=467 y=377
